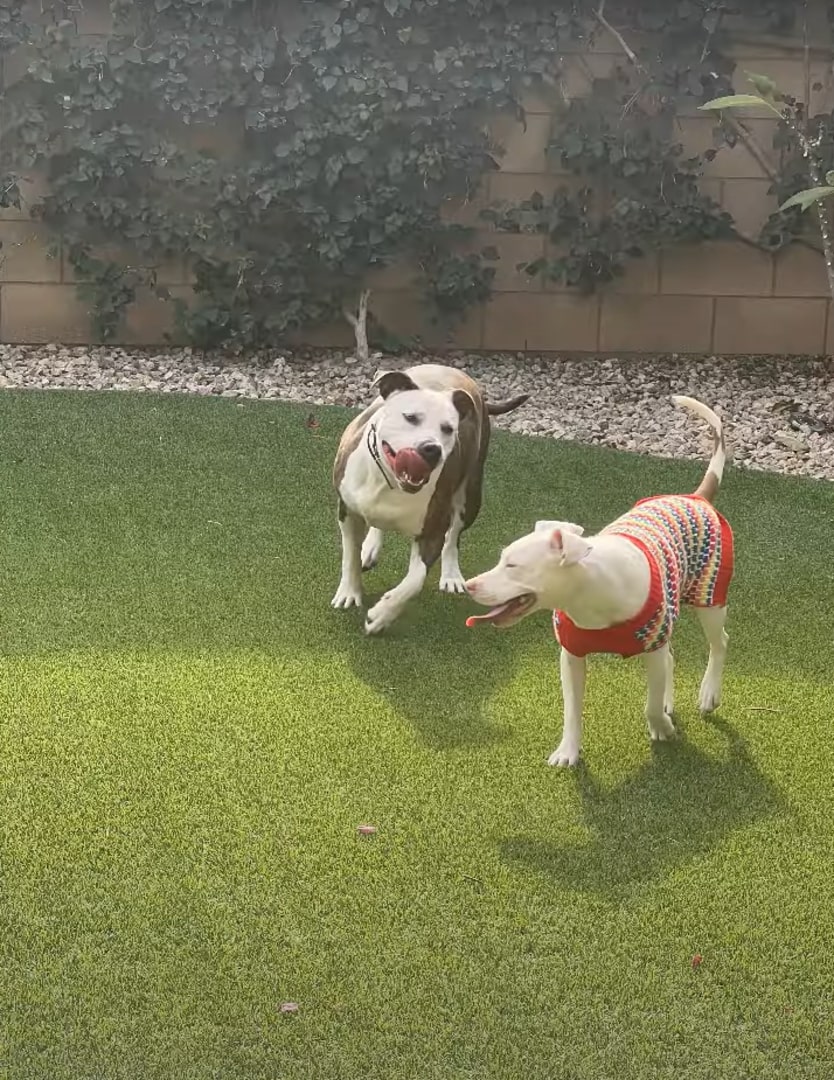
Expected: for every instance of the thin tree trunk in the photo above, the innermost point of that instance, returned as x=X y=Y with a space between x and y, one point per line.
x=359 y=322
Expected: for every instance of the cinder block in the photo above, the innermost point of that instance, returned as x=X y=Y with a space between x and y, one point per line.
x=655 y=324
x=542 y=322
x=149 y=319
x=32 y=190
x=579 y=72
x=747 y=44
x=524 y=145
x=788 y=73
x=333 y=336
x=541 y=98
x=719 y=268
x=640 y=276
x=516 y=187
x=25 y=254
x=769 y=325
x=38 y=314
x=695 y=135
x=829 y=337
x=404 y=312
x=711 y=188
x=224 y=137
x=169 y=272
x=750 y=203
x=93 y=17
x=398 y=275
x=466 y=211
x=513 y=249
x=801 y=272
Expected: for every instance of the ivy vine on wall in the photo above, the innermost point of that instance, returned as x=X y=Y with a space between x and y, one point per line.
x=346 y=127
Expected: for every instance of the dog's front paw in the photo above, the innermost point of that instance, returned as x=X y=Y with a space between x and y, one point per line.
x=709 y=697
x=347 y=596
x=452 y=583
x=565 y=755
x=661 y=728
x=381 y=615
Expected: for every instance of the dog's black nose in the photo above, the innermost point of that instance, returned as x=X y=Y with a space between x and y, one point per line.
x=430 y=452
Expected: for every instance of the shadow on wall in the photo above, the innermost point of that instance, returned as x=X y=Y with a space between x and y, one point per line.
x=677 y=806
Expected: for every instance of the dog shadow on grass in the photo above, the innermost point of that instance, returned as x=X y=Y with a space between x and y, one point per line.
x=676 y=807
x=437 y=675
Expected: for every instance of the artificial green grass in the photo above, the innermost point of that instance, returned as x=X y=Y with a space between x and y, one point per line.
x=189 y=737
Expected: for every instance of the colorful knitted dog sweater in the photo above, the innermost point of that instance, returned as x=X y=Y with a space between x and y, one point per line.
x=689 y=546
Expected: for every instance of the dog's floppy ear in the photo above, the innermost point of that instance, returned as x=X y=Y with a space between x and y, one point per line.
x=565 y=526
x=464 y=403
x=569 y=546
x=391 y=382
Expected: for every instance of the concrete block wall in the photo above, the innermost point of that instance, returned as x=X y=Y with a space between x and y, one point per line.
x=723 y=297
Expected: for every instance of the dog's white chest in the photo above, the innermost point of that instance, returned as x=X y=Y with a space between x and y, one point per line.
x=366 y=492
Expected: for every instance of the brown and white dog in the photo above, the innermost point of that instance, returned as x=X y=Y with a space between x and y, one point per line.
x=412 y=463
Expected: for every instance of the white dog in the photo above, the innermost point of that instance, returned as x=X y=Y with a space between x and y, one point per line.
x=620 y=591
x=412 y=463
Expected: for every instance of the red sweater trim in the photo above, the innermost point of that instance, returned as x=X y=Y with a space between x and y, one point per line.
x=620 y=639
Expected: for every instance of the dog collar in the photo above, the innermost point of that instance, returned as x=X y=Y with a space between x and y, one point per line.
x=373 y=450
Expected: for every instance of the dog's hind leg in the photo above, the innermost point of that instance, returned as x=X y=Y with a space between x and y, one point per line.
x=451 y=578
x=669 y=696
x=660 y=723
x=372 y=548
x=712 y=621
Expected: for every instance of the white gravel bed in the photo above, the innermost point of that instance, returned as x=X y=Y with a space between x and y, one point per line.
x=779 y=414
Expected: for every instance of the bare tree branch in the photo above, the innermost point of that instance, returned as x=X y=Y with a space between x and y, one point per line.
x=599 y=14
x=359 y=322
x=757 y=151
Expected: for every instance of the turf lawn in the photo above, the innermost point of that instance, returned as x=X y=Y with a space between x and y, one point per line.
x=189 y=737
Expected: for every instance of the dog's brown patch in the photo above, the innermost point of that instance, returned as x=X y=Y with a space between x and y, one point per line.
x=350 y=439
x=389 y=382
x=463 y=468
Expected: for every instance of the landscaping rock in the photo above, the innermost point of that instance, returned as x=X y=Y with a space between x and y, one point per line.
x=623 y=403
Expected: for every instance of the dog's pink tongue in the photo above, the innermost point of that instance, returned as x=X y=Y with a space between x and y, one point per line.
x=473 y=620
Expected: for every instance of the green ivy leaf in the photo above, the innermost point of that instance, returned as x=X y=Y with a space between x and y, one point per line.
x=734 y=101
x=357 y=130
x=805 y=199
x=762 y=84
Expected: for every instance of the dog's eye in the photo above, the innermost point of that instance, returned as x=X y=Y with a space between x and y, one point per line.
x=510 y=565
x=411 y=418
x=447 y=429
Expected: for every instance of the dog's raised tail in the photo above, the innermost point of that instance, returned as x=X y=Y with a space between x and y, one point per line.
x=709 y=486
x=498 y=408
